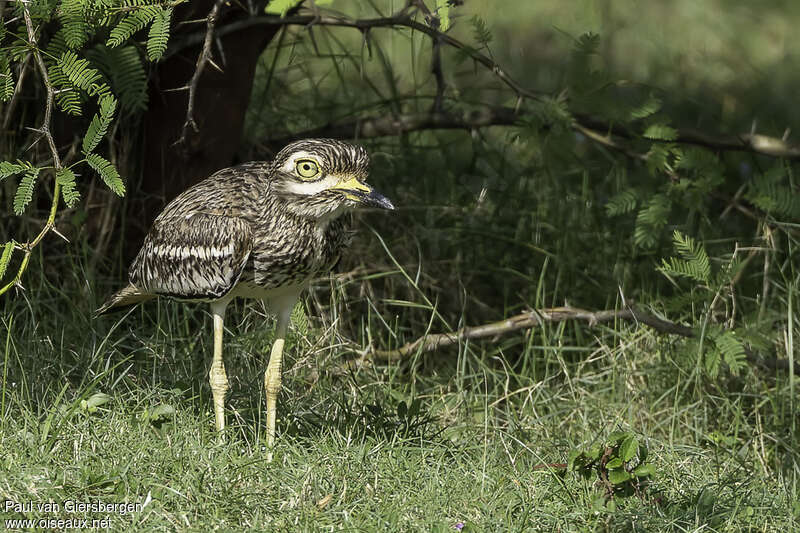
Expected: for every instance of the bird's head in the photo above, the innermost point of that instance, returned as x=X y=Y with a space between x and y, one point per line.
x=324 y=177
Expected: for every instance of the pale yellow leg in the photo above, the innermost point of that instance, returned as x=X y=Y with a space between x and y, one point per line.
x=217 y=376
x=272 y=385
x=272 y=377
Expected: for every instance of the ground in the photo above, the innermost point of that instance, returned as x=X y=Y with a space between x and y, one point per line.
x=119 y=411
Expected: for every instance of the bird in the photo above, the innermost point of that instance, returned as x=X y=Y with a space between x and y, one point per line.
x=262 y=230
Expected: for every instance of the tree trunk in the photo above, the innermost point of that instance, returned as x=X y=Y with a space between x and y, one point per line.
x=221 y=102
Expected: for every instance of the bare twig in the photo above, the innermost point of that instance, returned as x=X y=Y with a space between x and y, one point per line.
x=44 y=132
x=202 y=60
x=534 y=318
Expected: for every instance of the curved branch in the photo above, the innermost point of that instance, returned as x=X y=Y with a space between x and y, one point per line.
x=534 y=318
x=202 y=60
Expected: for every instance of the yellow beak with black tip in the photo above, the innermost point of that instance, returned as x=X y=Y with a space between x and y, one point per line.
x=362 y=193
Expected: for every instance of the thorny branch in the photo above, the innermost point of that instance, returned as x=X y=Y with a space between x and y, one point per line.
x=44 y=131
x=534 y=318
x=591 y=128
x=203 y=59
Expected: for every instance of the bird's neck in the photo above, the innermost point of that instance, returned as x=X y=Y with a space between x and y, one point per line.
x=306 y=210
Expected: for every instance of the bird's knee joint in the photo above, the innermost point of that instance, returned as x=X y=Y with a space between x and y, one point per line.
x=273 y=389
x=218 y=378
x=272 y=385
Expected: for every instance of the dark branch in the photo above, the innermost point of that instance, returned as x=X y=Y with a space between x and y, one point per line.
x=202 y=60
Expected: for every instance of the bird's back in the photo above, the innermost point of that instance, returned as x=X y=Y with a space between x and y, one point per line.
x=233 y=192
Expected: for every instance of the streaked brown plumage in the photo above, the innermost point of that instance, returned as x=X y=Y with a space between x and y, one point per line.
x=257 y=230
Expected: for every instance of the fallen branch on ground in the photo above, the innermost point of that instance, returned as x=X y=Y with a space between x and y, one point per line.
x=533 y=318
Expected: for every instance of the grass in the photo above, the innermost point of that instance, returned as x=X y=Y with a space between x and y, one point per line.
x=353 y=452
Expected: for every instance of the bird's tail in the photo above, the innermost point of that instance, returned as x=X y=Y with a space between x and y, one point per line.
x=128 y=296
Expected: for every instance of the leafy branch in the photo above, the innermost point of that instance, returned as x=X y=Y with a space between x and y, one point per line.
x=74 y=69
x=44 y=131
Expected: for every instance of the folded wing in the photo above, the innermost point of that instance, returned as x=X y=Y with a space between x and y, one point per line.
x=198 y=256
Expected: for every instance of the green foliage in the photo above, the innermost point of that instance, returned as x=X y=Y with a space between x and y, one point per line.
x=66 y=178
x=620 y=464
x=130 y=23
x=83 y=73
x=624 y=202
x=159 y=414
x=7 y=168
x=650 y=220
x=552 y=114
x=93 y=404
x=75 y=79
x=108 y=172
x=587 y=44
x=407 y=420
x=123 y=68
x=134 y=20
x=713 y=345
x=78 y=71
x=159 y=34
x=299 y=319
x=443 y=12
x=692 y=262
x=650 y=106
x=57 y=45
x=67 y=97
x=6 y=80
x=73 y=17
x=5 y=257
x=728 y=348
x=772 y=193
x=480 y=31
x=662 y=158
x=24 y=193
x=100 y=123
x=282 y=7
x=660 y=132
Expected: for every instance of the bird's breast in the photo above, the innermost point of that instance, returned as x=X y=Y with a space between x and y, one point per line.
x=291 y=253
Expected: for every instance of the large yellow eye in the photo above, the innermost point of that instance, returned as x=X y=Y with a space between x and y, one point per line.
x=306 y=168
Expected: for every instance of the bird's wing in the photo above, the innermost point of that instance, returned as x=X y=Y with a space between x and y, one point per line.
x=198 y=256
